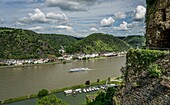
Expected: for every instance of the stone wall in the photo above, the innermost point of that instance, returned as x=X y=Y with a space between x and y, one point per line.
x=158 y=24
x=140 y=87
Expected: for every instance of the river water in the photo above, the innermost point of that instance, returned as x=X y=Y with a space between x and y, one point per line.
x=20 y=81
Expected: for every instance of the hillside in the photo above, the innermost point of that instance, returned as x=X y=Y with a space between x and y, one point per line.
x=135 y=41
x=58 y=40
x=99 y=42
x=22 y=44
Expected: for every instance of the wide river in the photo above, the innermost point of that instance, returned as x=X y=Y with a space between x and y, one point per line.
x=20 y=81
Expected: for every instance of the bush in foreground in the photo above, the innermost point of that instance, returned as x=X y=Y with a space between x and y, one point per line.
x=50 y=100
x=42 y=93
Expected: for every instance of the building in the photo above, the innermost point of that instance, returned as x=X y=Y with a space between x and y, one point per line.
x=158 y=24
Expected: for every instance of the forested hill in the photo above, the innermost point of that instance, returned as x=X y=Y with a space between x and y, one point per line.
x=25 y=44
x=99 y=42
x=57 y=40
x=135 y=41
x=22 y=44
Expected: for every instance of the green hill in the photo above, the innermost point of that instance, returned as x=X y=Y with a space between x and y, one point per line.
x=25 y=44
x=99 y=42
x=22 y=44
x=135 y=40
x=58 y=40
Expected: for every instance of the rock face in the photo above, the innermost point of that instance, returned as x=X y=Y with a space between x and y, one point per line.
x=142 y=89
x=158 y=24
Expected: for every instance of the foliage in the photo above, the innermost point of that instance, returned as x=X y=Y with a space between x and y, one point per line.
x=15 y=99
x=42 y=93
x=99 y=42
x=154 y=71
x=26 y=44
x=22 y=44
x=57 y=40
x=104 y=98
x=87 y=83
x=150 y=2
x=135 y=41
x=143 y=57
x=50 y=100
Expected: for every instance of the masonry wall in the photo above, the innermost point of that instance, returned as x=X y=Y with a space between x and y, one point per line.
x=158 y=24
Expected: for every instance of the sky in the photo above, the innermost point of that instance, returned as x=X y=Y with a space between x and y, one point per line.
x=78 y=18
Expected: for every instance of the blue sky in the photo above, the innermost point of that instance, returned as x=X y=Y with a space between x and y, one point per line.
x=75 y=17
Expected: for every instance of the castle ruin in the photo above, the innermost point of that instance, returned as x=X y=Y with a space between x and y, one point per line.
x=158 y=24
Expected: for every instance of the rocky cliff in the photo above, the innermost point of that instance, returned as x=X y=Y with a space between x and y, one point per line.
x=147 y=79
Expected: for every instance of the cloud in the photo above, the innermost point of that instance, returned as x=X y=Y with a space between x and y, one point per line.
x=36 y=28
x=52 y=15
x=107 y=22
x=74 y=5
x=120 y=15
x=61 y=27
x=93 y=29
x=123 y=26
x=140 y=13
x=68 y=5
x=38 y=16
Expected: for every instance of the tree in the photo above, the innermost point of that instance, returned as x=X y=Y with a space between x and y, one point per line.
x=104 y=98
x=42 y=93
x=50 y=100
x=87 y=83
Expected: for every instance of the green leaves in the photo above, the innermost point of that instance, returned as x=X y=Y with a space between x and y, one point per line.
x=50 y=100
x=143 y=57
x=42 y=93
x=153 y=71
x=104 y=98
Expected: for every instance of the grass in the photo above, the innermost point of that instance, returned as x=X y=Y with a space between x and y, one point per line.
x=52 y=92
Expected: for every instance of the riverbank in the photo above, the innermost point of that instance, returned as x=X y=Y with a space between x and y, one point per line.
x=57 y=62
x=60 y=90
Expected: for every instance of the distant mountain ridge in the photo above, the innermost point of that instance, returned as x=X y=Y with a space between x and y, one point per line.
x=135 y=40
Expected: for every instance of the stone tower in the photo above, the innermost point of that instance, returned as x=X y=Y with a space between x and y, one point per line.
x=158 y=24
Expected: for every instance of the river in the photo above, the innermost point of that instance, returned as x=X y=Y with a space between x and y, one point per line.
x=20 y=81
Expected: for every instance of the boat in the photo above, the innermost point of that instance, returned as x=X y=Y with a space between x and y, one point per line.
x=78 y=69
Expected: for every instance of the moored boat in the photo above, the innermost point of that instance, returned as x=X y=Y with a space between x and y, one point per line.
x=78 y=69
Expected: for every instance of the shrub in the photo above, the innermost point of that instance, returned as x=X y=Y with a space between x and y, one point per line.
x=87 y=83
x=50 y=100
x=42 y=93
x=154 y=71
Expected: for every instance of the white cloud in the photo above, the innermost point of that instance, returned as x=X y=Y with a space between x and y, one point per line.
x=36 y=28
x=38 y=16
x=122 y=27
x=140 y=13
x=68 y=28
x=107 y=22
x=120 y=15
x=93 y=29
x=52 y=15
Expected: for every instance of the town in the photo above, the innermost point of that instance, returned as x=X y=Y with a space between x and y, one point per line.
x=63 y=58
